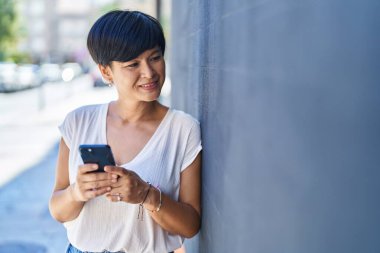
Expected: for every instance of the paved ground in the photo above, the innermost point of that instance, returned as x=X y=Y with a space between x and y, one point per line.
x=26 y=225
x=28 y=153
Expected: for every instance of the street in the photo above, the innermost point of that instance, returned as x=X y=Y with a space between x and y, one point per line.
x=27 y=131
x=29 y=144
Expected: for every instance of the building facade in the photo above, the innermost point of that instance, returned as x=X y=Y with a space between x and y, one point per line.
x=56 y=30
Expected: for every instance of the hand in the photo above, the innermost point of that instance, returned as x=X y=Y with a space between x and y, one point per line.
x=129 y=187
x=89 y=184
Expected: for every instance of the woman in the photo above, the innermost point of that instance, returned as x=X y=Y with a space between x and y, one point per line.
x=118 y=210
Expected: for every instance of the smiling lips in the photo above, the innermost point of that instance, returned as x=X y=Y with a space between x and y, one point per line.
x=149 y=86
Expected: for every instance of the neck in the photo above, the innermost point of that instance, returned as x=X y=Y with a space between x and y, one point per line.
x=129 y=112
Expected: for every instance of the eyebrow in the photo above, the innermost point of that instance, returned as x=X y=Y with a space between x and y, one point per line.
x=153 y=52
x=156 y=51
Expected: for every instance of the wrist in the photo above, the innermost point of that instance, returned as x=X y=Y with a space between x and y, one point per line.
x=145 y=193
x=154 y=200
x=73 y=196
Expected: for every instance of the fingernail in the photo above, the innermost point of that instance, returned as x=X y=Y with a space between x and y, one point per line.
x=114 y=180
x=95 y=166
x=109 y=189
x=114 y=176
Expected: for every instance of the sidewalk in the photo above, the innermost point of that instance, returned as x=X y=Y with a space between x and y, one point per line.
x=26 y=137
x=28 y=158
x=26 y=225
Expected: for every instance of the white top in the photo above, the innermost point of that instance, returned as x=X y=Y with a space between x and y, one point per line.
x=113 y=226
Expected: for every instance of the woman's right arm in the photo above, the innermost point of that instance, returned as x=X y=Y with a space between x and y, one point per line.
x=68 y=200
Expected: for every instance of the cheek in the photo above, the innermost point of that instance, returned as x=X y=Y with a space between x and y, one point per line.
x=127 y=77
x=161 y=70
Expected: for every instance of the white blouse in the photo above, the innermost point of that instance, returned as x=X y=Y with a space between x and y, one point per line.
x=113 y=226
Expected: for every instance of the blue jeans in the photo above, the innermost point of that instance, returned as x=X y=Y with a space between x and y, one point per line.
x=72 y=249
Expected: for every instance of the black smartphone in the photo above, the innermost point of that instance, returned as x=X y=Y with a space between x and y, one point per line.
x=100 y=154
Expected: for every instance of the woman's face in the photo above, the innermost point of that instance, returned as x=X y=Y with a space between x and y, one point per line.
x=140 y=79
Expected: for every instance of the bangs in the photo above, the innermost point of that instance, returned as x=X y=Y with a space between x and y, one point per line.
x=142 y=35
x=123 y=36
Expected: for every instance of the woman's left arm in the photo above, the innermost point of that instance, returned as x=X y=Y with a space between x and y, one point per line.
x=182 y=217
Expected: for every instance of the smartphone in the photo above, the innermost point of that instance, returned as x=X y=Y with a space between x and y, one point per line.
x=100 y=154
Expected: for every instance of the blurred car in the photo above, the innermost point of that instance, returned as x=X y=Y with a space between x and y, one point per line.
x=71 y=70
x=50 y=72
x=97 y=77
x=7 y=76
x=27 y=76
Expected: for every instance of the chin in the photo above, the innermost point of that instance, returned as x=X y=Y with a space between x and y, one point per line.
x=150 y=98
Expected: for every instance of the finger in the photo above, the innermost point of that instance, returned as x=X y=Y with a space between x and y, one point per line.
x=116 y=170
x=117 y=185
x=120 y=181
x=85 y=168
x=129 y=181
x=95 y=193
x=117 y=191
x=90 y=177
x=98 y=184
x=116 y=197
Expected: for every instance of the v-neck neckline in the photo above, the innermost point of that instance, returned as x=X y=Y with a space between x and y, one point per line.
x=146 y=146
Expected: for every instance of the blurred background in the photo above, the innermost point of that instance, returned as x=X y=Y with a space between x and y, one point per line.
x=287 y=93
x=45 y=72
x=44 y=41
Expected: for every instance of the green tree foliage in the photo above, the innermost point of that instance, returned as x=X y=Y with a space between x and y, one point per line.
x=8 y=27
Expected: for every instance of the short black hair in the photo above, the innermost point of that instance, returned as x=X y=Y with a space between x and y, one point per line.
x=123 y=35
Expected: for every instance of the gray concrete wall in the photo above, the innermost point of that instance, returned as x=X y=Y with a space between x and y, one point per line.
x=288 y=95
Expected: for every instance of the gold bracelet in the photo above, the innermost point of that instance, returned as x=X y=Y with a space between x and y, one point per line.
x=159 y=204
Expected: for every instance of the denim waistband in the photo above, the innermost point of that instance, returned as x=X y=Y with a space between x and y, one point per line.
x=72 y=249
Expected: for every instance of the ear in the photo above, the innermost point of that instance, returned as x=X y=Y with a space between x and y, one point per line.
x=106 y=72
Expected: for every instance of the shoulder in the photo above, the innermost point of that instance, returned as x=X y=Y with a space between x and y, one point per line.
x=87 y=109
x=84 y=112
x=183 y=118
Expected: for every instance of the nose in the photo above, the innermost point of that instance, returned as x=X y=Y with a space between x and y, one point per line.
x=147 y=70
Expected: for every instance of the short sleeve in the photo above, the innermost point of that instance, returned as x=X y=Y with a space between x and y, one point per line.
x=193 y=146
x=67 y=129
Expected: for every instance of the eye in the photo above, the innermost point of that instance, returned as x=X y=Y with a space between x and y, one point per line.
x=133 y=65
x=156 y=58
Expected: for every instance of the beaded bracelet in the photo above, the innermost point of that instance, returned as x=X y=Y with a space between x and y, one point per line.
x=141 y=207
